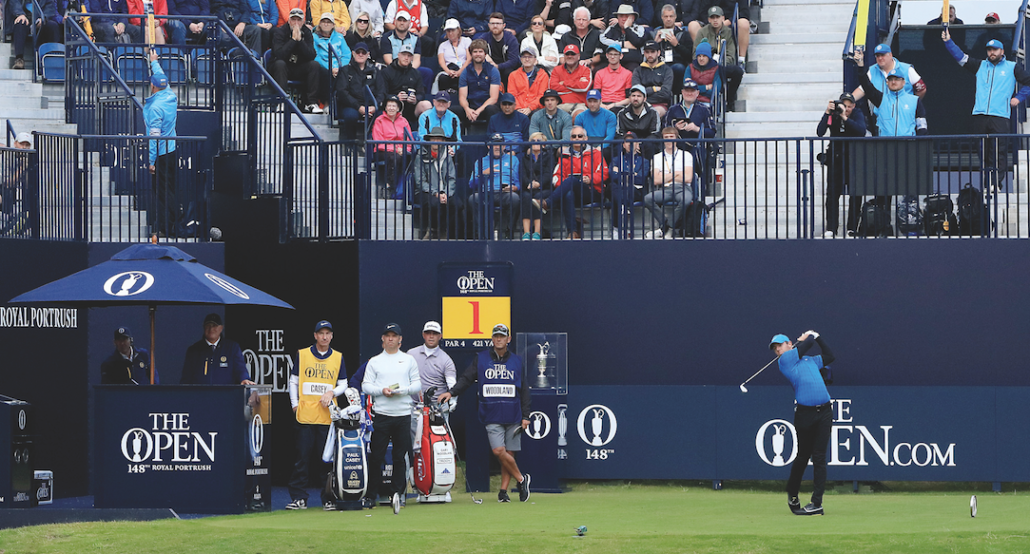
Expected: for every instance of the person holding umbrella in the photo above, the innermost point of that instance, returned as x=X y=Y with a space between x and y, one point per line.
x=127 y=365
x=214 y=360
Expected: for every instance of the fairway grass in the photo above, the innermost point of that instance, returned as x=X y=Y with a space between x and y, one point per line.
x=620 y=518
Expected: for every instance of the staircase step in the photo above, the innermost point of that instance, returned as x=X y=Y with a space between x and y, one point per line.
x=793 y=79
x=7 y=112
x=22 y=88
x=773 y=117
x=790 y=94
x=812 y=4
x=786 y=65
x=23 y=75
x=799 y=38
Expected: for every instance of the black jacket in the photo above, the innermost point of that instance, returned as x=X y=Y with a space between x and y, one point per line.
x=399 y=79
x=351 y=85
x=289 y=50
x=232 y=12
x=540 y=169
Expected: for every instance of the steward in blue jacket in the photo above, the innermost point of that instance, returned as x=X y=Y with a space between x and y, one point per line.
x=160 y=112
x=898 y=113
x=996 y=80
x=214 y=359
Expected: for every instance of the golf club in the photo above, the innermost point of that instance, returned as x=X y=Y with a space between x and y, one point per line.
x=464 y=472
x=743 y=388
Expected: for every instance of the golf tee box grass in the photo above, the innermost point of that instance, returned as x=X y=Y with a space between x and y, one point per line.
x=622 y=517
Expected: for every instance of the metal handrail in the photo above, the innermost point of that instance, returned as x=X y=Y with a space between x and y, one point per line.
x=260 y=69
x=10 y=133
x=95 y=52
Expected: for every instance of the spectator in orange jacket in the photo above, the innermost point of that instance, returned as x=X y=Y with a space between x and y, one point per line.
x=160 y=8
x=284 y=10
x=529 y=83
x=578 y=179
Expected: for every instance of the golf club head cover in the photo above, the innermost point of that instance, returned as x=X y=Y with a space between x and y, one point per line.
x=353 y=397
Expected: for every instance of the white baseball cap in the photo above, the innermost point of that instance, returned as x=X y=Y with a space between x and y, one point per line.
x=451 y=24
x=24 y=137
x=432 y=326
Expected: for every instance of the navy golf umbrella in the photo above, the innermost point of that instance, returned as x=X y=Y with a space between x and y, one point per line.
x=149 y=275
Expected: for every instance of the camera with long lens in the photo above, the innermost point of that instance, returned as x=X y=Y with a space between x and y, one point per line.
x=838 y=107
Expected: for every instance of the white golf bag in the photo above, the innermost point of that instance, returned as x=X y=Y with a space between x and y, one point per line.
x=345 y=448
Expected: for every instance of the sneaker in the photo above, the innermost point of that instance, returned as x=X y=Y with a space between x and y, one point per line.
x=368 y=503
x=19 y=63
x=852 y=233
x=811 y=510
x=523 y=488
x=310 y=108
x=656 y=234
x=615 y=233
x=795 y=505
x=502 y=497
x=447 y=497
x=829 y=235
x=395 y=502
x=298 y=504
x=329 y=507
x=535 y=236
x=526 y=236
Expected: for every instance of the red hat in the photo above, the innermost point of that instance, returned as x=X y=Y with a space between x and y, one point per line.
x=571 y=48
x=992 y=15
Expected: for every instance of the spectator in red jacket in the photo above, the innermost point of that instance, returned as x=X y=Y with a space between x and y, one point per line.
x=160 y=8
x=572 y=80
x=391 y=126
x=578 y=179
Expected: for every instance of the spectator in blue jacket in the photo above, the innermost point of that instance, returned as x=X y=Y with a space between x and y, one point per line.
x=326 y=37
x=265 y=14
x=159 y=114
x=517 y=14
x=236 y=15
x=472 y=15
x=502 y=47
x=510 y=123
x=192 y=30
x=498 y=173
x=689 y=117
x=440 y=116
x=108 y=29
x=49 y=26
x=629 y=173
x=598 y=122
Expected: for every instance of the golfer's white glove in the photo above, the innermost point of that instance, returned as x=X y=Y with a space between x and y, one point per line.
x=813 y=333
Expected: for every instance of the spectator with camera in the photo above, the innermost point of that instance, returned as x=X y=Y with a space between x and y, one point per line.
x=842 y=120
x=356 y=102
x=405 y=82
x=236 y=15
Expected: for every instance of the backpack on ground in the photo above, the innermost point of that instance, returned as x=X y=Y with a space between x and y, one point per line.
x=874 y=220
x=971 y=212
x=939 y=216
x=909 y=217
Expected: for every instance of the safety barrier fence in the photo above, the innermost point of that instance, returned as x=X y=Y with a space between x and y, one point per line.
x=63 y=190
x=939 y=187
x=214 y=72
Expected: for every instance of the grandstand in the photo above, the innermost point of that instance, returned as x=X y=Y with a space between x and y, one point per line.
x=758 y=176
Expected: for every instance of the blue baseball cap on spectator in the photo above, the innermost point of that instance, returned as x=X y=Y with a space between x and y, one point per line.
x=615 y=46
x=882 y=49
x=778 y=339
x=638 y=88
x=360 y=46
x=506 y=97
x=122 y=333
x=392 y=328
x=896 y=72
x=323 y=325
x=406 y=48
x=442 y=95
x=995 y=43
x=689 y=83
x=160 y=80
x=593 y=94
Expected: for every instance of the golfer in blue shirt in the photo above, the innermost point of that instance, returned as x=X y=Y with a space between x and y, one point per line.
x=813 y=417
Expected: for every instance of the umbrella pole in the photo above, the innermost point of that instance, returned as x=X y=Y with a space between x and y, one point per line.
x=153 y=310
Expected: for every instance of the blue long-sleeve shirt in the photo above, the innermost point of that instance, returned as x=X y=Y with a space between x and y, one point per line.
x=600 y=124
x=267 y=12
x=109 y=6
x=191 y=7
x=471 y=13
x=995 y=82
x=517 y=13
x=803 y=372
x=159 y=115
x=504 y=172
x=509 y=124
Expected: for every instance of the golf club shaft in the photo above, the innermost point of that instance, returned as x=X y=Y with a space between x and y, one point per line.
x=764 y=368
x=464 y=472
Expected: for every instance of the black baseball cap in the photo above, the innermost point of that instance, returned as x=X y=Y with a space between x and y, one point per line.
x=122 y=333
x=323 y=325
x=392 y=328
x=213 y=318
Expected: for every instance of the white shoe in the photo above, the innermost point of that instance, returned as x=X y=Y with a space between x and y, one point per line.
x=447 y=497
x=656 y=234
x=615 y=234
x=829 y=235
x=395 y=501
x=315 y=108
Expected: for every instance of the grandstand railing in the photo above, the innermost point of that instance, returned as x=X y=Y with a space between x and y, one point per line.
x=10 y=133
x=221 y=76
x=63 y=190
x=772 y=188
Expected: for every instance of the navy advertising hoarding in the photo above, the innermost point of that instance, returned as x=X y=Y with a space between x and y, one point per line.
x=192 y=448
x=879 y=433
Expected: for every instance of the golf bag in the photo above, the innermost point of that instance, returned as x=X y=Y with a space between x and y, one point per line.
x=434 y=460
x=939 y=216
x=910 y=219
x=349 y=477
